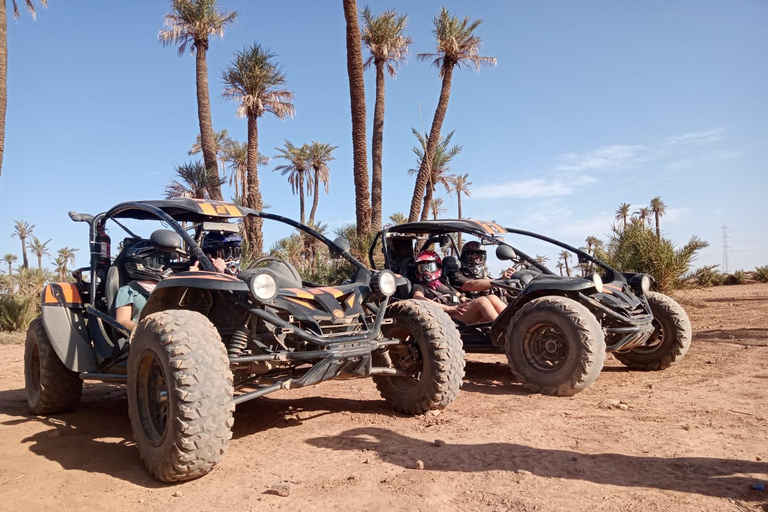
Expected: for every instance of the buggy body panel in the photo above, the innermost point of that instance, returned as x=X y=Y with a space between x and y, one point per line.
x=63 y=313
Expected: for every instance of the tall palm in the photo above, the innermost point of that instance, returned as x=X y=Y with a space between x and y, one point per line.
x=357 y=107
x=384 y=36
x=642 y=214
x=10 y=259
x=459 y=183
x=236 y=155
x=190 y=25
x=297 y=169
x=457 y=46
x=22 y=230
x=66 y=257
x=659 y=209
x=542 y=260
x=437 y=207
x=622 y=214
x=257 y=82
x=441 y=159
x=4 y=63
x=197 y=181
x=560 y=267
x=39 y=249
x=221 y=143
x=565 y=256
x=592 y=243
x=398 y=218
x=318 y=156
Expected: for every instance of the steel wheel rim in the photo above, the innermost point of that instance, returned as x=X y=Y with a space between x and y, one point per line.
x=406 y=356
x=654 y=342
x=152 y=397
x=545 y=347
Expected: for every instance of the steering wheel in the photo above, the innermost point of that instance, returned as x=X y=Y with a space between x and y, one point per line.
x=506 y=284
x=263 y=259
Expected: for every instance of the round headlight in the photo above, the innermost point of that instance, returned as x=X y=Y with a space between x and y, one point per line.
x=645 y=283
x=598 y=282
x=387 y=283
x=263 y=286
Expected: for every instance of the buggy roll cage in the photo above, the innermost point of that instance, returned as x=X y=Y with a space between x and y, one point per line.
x=486 y=231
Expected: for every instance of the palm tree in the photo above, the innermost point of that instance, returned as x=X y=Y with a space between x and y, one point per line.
x=541 y=260
x=221 y=143
x=22 y=230
x=437 y=207
x=357 y=107
x=197 y=181
x=457 y=46
x=384 y=36
x=190 y=25
x=10 y=259
x=442 y=157
x=642 y=214
x=459 y=184
x=66 y=256
x=565 y=256
x=297 y=170
x=39 y=249
x=560 y=267
x=4 y=63
x=257 y=82
x=236 y=155
x=659 y=209
x=622 y=213
x=318 y=156
x=398 y=218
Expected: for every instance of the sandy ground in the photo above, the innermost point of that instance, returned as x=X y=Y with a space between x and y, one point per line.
x=692 y=437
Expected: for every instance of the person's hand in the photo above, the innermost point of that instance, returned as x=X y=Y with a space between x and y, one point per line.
x=195 y=267
x=508 y=273
x=462 y=308
x=220 y=265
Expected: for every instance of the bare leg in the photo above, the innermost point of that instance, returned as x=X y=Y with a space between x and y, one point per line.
x=497 y=303
x=478 y=310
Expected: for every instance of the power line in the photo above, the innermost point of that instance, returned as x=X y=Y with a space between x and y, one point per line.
x=725 y=248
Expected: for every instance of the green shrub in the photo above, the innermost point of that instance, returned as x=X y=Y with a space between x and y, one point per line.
x=737 y=277
x=761 y=274
x=17 y=311
x=707 y=276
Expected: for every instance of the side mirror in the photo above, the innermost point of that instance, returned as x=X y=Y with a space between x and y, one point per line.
x=165 y=240
x=505 y=252
x=343 y=243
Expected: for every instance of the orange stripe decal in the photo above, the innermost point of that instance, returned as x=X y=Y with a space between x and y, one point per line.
x=207 y=208
x=351 y=301
x=234 y=211
x=70 y=293
x=298 y=293
x=48 y=297
x=300 y=302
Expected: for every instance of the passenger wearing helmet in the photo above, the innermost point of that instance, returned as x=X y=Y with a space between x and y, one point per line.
x=224 y=247
x=472 y=278
x=431 y=285
x=146 y=266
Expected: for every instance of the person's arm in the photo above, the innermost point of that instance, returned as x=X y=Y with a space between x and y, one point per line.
x=219 y=264
x=124 y=315
x=476 y=285
x=418 y=295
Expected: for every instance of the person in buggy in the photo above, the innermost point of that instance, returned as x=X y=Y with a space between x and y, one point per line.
x=472 y=278
x=146 y=266
x=223 y=249
x=431 y=285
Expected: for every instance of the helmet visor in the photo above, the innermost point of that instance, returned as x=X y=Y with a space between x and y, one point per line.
x=426 y=266
x=476 y=258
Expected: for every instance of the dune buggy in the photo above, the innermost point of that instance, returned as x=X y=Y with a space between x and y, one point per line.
x=207 y=341
x=555 y=330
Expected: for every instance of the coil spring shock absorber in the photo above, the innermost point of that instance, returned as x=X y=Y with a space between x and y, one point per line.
x=238 y=341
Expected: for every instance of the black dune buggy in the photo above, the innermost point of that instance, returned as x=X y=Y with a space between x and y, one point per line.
x=207 y=341
x=555 y=330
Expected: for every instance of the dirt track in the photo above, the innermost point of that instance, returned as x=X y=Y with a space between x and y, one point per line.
x=689 y=438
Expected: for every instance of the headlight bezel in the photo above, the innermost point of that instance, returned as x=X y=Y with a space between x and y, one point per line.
x=641 y=283
x=597 y=282
x=384 y=282
x=253 y=282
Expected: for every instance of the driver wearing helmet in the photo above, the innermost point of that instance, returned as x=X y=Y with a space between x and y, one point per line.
x=472 y=278
x=432 y=286
x=146 y=266
x=223 y=250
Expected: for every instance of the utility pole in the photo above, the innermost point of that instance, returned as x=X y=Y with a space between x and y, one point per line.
x=725 y=249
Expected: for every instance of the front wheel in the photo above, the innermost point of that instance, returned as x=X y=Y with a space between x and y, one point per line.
x=430 y=353
x=180 y=395
x=555 y=346
x=670 y=339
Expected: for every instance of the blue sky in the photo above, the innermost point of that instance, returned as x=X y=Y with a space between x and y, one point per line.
x=592 y=103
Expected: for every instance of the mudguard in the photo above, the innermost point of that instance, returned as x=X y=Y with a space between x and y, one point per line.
x=64 y=322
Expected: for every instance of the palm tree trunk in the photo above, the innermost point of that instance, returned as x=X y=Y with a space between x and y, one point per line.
x=207 y=138
x=427 y=202
x=253 y=225
x=458 y=196
x=315 y=200
x=377 y=148
x=3 y=78
x=301 y=196
x=567 y=270
x=244 y=178
x=658 y=231
x=24 y=251
x=434 y=135
x=357 y=106
x=40 y=261
x=10 y=269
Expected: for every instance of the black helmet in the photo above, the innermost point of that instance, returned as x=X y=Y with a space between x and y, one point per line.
x=473 y=258
x=145 y=263
x=225 y=246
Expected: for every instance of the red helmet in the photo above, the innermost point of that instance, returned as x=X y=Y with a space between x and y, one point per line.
x=428 y=266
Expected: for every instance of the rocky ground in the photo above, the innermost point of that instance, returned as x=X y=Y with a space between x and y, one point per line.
x=692 y=437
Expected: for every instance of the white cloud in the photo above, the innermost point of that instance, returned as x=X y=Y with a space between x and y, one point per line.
x=534 y=188
x=674 y=215
x=600 y=158
x=702 y=137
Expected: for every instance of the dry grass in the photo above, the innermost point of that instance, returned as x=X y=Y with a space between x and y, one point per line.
x=12 y=338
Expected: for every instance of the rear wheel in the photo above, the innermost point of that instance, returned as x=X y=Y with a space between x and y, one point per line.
x=670 y=339
x=51 y=387
x=430 y=353
x=180 y=395
x=555 y=346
